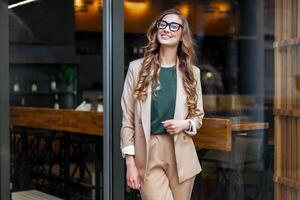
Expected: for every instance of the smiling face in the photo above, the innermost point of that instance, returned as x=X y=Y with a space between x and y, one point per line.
x=166 y=36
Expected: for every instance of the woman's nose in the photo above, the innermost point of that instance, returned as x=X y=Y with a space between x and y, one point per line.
x=167 y=29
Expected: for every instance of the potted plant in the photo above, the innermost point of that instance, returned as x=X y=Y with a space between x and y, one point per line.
x=67 y=75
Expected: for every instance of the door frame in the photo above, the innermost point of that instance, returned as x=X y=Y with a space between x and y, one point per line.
x=4 y=103
x=113 y=78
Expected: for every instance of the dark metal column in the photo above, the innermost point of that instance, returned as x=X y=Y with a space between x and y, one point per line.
x=113 y=77
x=4 y=104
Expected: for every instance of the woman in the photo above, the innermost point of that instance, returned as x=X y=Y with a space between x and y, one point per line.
x=162 y=109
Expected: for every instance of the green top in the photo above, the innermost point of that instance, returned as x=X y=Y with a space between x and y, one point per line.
x=163 y=101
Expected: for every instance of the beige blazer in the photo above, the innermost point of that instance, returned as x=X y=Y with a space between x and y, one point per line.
x=136 y=124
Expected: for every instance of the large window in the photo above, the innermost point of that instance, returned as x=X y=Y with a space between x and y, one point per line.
x=236 y=57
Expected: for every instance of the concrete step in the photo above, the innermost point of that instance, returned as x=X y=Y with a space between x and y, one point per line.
x=32 y=195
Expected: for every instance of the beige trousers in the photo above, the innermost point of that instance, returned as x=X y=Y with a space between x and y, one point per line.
x=161 y=179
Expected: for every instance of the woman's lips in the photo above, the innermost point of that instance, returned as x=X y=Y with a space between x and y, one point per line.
x=164 y=36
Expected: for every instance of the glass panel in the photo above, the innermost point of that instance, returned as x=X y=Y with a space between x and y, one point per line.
x=56 y=98
x=236 y=57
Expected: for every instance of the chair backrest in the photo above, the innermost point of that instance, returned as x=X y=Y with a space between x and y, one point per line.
x=215 y=133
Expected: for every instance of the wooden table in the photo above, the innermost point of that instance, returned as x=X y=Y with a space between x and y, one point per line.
x=216 y=133
x=84 y=122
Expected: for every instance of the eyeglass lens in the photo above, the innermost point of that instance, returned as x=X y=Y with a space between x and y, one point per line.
x=173 y=25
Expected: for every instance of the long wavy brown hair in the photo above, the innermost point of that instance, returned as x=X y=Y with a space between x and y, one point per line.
x=151 y=66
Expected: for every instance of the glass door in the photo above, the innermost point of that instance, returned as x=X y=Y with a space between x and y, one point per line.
x=56 y=99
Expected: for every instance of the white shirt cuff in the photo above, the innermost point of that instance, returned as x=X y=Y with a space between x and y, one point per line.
x=128 y=150
x=192 y=129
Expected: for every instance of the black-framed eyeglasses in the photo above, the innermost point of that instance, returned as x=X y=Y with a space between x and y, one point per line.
x=173 y=26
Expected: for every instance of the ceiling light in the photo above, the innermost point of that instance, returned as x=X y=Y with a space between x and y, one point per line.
x=20 y=3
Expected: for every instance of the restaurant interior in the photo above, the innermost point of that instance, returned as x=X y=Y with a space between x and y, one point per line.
x=56 y=94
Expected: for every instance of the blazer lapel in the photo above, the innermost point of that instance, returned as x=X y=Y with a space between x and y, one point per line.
x=179 y=113
x=146 y=114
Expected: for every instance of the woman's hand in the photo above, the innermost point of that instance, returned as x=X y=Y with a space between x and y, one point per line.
x=132 y=174
x=174 y=126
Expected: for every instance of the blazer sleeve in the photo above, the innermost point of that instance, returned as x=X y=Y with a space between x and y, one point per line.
x=127 y=103
x=196 y=122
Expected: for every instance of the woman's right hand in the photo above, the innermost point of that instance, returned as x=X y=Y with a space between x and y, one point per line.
x=132 y=174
